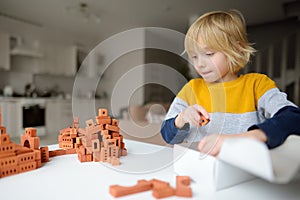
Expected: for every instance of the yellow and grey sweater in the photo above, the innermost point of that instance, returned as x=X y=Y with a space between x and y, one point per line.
x=234 y=107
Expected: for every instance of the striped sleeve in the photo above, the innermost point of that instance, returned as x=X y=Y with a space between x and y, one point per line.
x=170 y=133
x=281 y=116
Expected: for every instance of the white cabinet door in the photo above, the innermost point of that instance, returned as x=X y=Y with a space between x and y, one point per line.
x=59 y=59
x=4 y=51
x=11 y=118
x=66 y=115
x=58 y=116
x=52 y=117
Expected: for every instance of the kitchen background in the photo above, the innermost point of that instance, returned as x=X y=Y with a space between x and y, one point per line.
x=43 y=43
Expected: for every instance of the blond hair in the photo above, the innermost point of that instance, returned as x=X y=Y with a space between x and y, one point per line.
x=221 y=31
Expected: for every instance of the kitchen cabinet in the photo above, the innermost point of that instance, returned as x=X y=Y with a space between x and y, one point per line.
x=58 y=115
x=4 y=51
x=11 y=117
x=59 y=59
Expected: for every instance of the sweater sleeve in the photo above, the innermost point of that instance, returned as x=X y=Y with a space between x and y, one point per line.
x=285 y=122
x=171 y=134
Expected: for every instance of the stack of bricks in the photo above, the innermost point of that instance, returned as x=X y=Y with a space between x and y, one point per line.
x=67 y=140
x=29 y=140
x=101 y=141
x=16 y=158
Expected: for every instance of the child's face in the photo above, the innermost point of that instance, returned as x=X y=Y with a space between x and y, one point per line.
x=212 y=65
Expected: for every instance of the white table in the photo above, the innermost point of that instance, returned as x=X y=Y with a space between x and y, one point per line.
x=64 y=177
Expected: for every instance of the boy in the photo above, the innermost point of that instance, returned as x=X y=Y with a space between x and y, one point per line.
x=238 y=106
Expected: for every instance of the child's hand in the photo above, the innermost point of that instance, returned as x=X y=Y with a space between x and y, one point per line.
x=212 y=144
x=191 y=115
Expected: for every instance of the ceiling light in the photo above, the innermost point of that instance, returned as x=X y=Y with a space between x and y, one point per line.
x=83 y=11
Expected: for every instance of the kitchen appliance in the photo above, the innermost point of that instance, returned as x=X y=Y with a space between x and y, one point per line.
x=33 y=115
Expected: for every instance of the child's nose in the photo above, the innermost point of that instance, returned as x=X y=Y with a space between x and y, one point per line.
x=200 y=62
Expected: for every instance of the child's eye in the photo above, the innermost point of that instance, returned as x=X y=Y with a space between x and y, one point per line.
x=209 y=53
x=194 y=57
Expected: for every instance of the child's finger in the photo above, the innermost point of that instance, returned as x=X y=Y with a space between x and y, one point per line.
x=202 y=110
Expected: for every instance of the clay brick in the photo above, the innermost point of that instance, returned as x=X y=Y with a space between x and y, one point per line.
x=66 y=139
x=104 y=132
x=7 y=171
x=102 y=126
x=118 y=141
x=115 y=134
x=82 y=158
x=114 y=122
x=58 y=152
x=115 y=152
x=103 y=120
x=52 y=154
x=7 y=148
x=163 y=192
x=81 y=131
x=141 y=186
x=96 y=145
x=124 y=152
x=88 y=141
x=81 y=150
x=8 y=162
x=96 y=156
x=27 y=166
x=89 y=150
x=2 y=129
x=89 y=124
x=89 y=158
x=111 y=128
x=31 y=142
x=38 y=163
x=5 y=155
x=106 y=137
x=78 y=140
x=60 y=137
x=95 y=136
x=183 y=188
x=71 y=151
x=26 y=157
x=44 y=154
x=84 y=141
x=102 y=112
x=37 y=154
x=21 y=150
x=31 y=132
x=159 y=184
x=76 y=146
x=67 y=145
x=114 y=161
x=73 y=135
x=203 y=120
x=92 y=130
x=122 y=145
x=4 y=137
x=110 y=143
x=104 y=154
